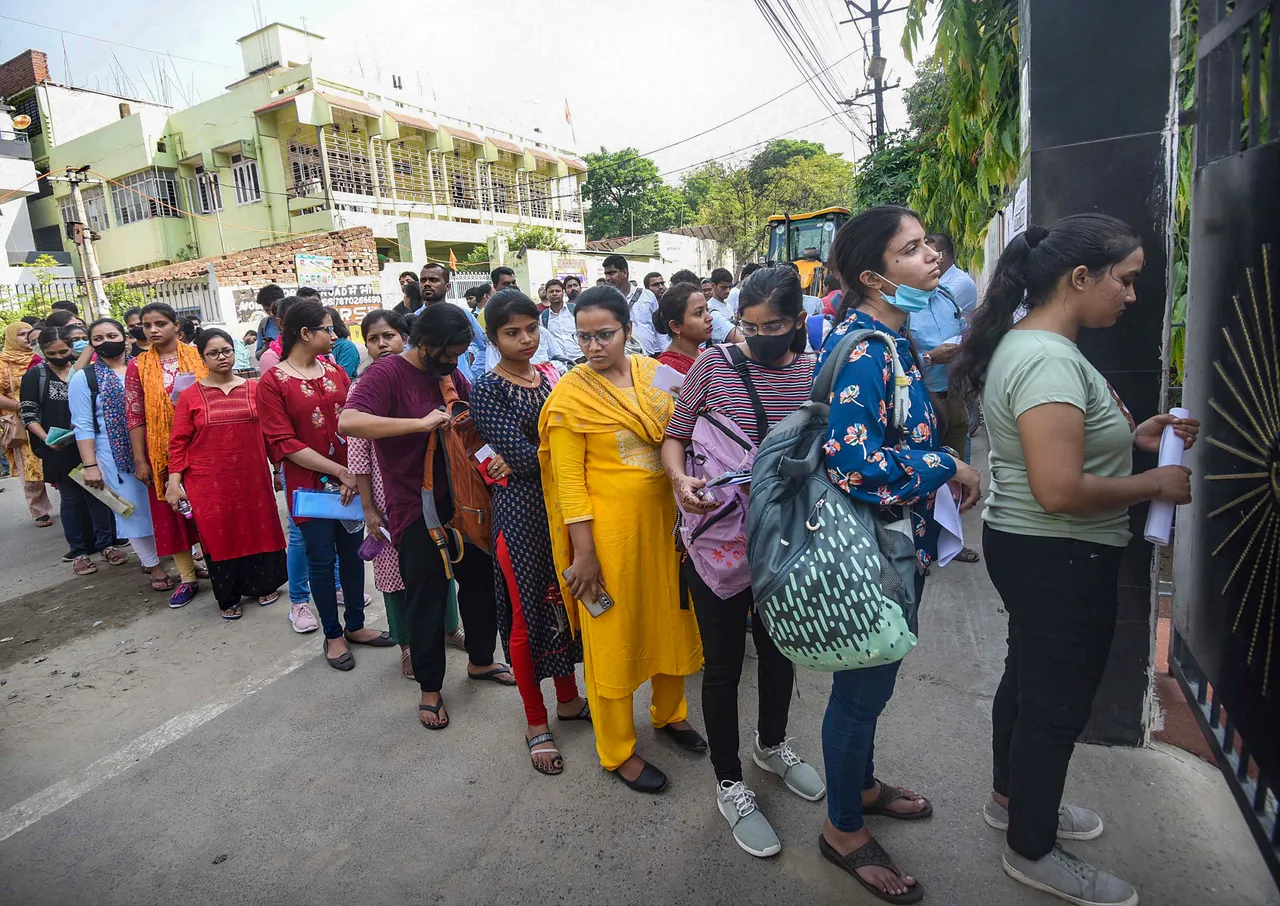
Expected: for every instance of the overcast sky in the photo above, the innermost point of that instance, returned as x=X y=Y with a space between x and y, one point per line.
x=639 y=74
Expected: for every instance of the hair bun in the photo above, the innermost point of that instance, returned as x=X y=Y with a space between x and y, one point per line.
x=1035 y=235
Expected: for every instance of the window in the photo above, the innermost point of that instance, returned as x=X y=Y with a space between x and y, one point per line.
x=206 y=191
x=145 y=194
x=244 y=173
x=95 y=209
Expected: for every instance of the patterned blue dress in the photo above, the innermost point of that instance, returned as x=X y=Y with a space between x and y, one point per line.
x=506 y=417
x=860 y=459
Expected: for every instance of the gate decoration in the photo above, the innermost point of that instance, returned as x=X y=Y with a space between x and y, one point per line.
x=1227 y=558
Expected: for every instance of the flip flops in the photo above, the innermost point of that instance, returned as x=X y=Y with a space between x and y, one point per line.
x=491 y=675
x=871 y=854
x=890 y=794
x=234 y=612
x=434 y=709
x=557 y=763
x=584 y=714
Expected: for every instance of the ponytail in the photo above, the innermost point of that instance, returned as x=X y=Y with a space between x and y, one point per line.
x=1029 y=271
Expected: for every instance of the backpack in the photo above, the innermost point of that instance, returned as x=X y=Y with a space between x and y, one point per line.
x=545 y=317
x=716 y=542
x=816 y=326
x=472 y=503
x=834 y=579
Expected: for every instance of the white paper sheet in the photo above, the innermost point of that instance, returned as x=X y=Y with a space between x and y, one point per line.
x=1160 y=513
x=947 y=512
x=668 y=380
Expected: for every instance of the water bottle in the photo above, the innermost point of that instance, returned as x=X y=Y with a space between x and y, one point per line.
x=184 y=507
x=351 y=525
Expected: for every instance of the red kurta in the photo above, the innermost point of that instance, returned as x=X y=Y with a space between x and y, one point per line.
x=173 y=533
x=297 y=414
x=217 y=444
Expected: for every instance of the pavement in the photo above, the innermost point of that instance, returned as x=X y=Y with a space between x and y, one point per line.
x=153 y=756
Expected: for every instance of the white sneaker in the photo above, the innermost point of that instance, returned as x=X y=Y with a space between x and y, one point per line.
x=302 y=617
x=796 y=773
x=751 y=829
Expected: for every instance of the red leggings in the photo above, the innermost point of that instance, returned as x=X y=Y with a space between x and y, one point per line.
x=535 y=710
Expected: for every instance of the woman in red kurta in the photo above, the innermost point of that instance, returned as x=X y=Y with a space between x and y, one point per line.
x=218 y=465
x=148 y=384
x=300 y=401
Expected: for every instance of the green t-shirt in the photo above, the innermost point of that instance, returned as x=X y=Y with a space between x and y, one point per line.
x=1031 y=368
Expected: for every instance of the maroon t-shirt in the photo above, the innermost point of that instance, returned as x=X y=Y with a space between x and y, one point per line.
x=393 y=388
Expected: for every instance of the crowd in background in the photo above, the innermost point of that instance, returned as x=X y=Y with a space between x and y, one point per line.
x=557 y=539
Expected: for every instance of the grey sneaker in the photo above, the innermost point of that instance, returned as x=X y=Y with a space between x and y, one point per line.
x=1074 y=822
x=797 y=774
x=1070 y=878
x=751 y=829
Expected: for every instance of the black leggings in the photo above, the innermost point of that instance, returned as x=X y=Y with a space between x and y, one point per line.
x=426 y=590
x=723 y=626
x=1061 y=597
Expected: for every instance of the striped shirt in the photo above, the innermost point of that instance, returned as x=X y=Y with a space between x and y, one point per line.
x=713 y=384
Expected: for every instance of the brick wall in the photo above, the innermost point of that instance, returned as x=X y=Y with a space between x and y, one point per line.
x=31 y=67
x=353 y=253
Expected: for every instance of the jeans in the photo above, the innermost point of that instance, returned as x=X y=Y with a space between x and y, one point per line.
x=73 y=503
x=1061 y=596
x=327 y=541
x=298 y=567
x=724 y=643
x=426 y=587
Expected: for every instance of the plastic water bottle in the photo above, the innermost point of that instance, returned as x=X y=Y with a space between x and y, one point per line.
x=184 y=507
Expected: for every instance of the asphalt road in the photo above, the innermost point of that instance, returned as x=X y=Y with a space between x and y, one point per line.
x=166 y=757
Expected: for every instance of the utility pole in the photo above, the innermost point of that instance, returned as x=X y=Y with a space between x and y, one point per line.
x=97 y=298
x=875 y=67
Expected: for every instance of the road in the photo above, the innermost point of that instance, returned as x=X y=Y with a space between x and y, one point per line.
x=152 y=756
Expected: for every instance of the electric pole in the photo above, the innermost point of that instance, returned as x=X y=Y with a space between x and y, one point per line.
x=875 y=67
x=97 y=298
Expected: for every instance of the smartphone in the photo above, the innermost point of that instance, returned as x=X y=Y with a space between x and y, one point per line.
x=599 y=605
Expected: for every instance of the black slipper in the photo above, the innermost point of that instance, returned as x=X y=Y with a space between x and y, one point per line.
x=651 y=780
x=434 y=709
x=491 y=675
x=584 y=714
x=382 y=640
x=871 y=854
x=689 y=739
x=343 y=661
x=557 y=763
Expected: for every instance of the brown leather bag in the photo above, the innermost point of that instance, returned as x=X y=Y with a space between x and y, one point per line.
x=12 y=432
x=472 y=502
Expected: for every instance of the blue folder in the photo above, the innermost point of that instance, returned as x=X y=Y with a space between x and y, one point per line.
x=325 y=505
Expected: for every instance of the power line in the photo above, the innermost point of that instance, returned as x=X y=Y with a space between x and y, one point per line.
x=800 y=55
x=158 y=53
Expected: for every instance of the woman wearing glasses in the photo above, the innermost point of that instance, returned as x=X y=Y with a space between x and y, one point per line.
x=218 y=465
x=611 y=516
x=301 y=399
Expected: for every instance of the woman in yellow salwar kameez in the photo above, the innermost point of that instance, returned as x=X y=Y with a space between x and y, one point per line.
x=612 y=517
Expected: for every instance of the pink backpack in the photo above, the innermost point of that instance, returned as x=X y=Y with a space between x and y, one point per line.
x=716 y=542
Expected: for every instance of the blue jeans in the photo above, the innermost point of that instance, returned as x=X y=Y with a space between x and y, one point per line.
x=327 y=543
x=299 y=569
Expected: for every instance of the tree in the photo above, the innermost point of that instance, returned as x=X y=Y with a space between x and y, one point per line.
x=696 y=185
x=779 y=153
x=627 y=196
x=890 y=173
x=537 y=237
x=809 y=183
x=734 y=211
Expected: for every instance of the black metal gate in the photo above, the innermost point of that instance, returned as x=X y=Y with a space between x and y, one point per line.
x=1226 y=654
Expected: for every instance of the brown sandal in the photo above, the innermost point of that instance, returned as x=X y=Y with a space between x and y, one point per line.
x=871 y=854
x=890 y=794
x=406 y=664
x=165 y=584
x=83 y=566
x=114 y=555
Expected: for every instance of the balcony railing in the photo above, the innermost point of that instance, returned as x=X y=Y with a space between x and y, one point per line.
x=15 y=144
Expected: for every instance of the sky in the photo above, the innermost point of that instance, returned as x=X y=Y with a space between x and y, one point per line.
x=643 y=74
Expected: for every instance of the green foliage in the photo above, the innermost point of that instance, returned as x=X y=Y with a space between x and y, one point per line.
x=1190 y=15
x=809 y=183
x=121 y=298
x=534 y=237
x=627 y=196
x=479 y=254
x=889 y=174
x=779 y=153
x=978 y=158
x=736 y=213
x=34 y=300
x=696 y=185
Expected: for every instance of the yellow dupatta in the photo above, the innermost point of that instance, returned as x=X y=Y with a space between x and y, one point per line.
x=159 y=408
x=586 y=403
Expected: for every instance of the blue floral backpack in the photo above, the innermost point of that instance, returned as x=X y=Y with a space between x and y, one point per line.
x=833 y=579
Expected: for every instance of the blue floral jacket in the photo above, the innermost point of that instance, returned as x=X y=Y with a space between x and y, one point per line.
x=860 y=459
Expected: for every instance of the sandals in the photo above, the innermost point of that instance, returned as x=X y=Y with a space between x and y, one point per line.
x=382 y=640
x=234 y=612
x=491 y=675
x=165 y=584
x=584 y=714
x=457 y=638
x=406 y=664
x=44 y=521
x=83 y=566
x=269 y=599
x=871 y=854
x=114 y=555
x=966 y=555
x=434 y=709
x=201 y=572
x=557 y=763
x=343 y=661
x=890 y=794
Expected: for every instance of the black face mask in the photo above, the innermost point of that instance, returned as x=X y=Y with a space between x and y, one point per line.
x=771 y=349
x=437 y=368
x=60 y=362
x=109 y=349
x=138 y=334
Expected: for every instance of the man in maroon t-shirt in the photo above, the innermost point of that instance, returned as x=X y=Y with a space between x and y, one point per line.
x=397 y=404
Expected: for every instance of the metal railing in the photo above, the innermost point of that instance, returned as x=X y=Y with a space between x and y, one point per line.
x=39 y=297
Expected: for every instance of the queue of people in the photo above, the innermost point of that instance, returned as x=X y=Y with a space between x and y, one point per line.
x=587 y=473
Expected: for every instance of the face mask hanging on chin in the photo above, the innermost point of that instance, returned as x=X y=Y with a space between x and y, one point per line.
x=907 y=298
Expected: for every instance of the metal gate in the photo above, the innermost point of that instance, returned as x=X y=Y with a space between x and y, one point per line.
x=1227 y=560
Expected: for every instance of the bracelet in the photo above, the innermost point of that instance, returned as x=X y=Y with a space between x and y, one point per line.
x=90 y=465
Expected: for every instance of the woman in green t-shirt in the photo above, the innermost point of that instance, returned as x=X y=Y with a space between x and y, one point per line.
x=1057 y=523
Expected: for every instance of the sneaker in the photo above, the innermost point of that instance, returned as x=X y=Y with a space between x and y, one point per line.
x=342 y=600
x=1074 y=822
x=797 y=774
x=183 y=594
x=302 y=617
x=1070 y=878
x=751 y=829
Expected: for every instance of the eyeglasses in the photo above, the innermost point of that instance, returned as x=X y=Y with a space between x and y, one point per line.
x=219 y=353
x=771 y=329
x=331 y=330
x=603 y=337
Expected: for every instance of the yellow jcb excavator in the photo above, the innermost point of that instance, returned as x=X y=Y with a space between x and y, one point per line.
x=806 y=240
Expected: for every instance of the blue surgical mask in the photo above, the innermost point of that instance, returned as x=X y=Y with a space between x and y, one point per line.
x=79 y=346
x=907 y=298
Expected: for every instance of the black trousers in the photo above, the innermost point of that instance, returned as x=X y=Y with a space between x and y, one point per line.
x=723 y=627
x=426 y=590
x=73 y=503
x=1061 y=597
